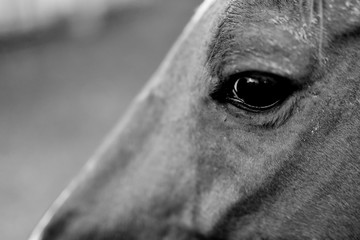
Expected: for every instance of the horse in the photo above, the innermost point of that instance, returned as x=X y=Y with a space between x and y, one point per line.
x=250 y=129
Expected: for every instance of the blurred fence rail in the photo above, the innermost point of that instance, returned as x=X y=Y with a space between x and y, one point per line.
x=19 y=17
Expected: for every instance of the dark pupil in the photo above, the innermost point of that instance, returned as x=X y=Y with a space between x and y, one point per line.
x=257 y=92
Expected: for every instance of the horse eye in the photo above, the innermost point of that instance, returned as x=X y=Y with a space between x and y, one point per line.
x=258 y=92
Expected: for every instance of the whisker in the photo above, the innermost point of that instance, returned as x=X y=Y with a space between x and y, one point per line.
x=321 y=29
x=311 y=16
x=301 y=9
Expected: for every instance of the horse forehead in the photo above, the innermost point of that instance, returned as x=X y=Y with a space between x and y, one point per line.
x=332 y=17
x=337 y=14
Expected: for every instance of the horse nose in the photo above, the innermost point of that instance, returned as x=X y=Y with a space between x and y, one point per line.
x=140 y=185
x=72 y=224
x=136 y=202
x=54 y=229
x=57 y=230
x=55 y=223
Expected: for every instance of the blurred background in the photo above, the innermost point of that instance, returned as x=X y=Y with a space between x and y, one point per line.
x=68 y=70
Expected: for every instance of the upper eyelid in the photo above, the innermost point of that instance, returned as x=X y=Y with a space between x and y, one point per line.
x=233 y=62
x=231 y=66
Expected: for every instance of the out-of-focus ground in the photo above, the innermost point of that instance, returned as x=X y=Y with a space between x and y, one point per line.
x=60 y=95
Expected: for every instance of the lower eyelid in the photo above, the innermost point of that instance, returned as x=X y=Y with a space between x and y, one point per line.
x=271 y=119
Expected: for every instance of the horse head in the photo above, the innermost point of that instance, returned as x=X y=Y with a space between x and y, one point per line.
x=250 y=129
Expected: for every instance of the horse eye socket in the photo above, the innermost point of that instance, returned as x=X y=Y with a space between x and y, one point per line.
x=257 y=92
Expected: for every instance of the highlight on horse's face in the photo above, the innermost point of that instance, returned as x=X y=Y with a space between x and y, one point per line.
x=250 y=129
